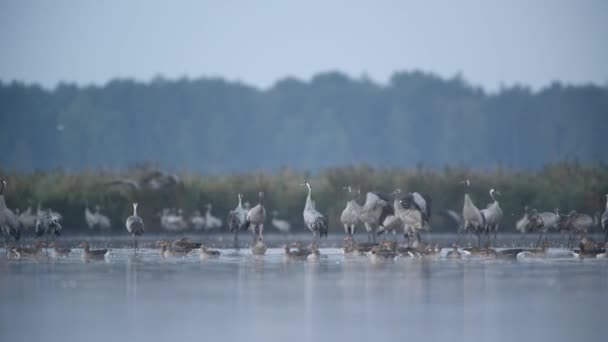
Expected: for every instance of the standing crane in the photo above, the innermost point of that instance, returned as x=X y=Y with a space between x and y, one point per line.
x=135 y=226
x=415 y=213
x=256 y=217
x=605 y=221
x=48 y=224
x=314 y=220
x=376 y=208
x=9 y=224
x=236 y=221
x=211 y=222
x=473 y=219
x=350 y=214
x=492 y=214
x=544 y=221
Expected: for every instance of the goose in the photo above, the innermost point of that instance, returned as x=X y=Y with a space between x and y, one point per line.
x=350 y=215
x=211 y=222
x=352 y=247
x=9 y=224
x=473 y=219
x=93 y=254
x=297 y=251
x=258 y=247
x=28 y=252
x=135 y=226
x=168 y=251
x=314 y=220
x=185 y=245
x=58 y=252
x=454 y=253
x=379 y=253
x=542 y=253
x=492 y=214
x=208 y=253
x=256 y=217
x=281 y=225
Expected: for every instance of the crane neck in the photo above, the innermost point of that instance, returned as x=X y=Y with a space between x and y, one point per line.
x=308 y=200
x=2 y=189
x=134 y=209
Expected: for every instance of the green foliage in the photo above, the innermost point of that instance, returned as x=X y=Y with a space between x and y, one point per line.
x=564 y=185
x=211 y=125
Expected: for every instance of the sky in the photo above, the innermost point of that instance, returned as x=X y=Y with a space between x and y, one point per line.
x=491 y=43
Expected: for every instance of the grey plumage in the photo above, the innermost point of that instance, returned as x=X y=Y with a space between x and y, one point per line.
x=135 y=226
x=350 y=215
x=314 y=220
x=604 y=221
x=256 y=217
x=9 y=223
x=376 y=208
x=237 y=220
x=492 y=214
x=473 y=220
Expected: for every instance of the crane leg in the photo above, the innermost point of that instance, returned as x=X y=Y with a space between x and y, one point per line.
x=236 y=239
x=495 y=232
x=540 y=237
x=47 y=245
x=479 y=239
x=606 y=236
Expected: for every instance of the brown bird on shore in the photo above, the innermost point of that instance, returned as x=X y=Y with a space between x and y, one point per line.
x=93 y=254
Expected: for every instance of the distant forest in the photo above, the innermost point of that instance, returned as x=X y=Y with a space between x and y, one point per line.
x=211 y=125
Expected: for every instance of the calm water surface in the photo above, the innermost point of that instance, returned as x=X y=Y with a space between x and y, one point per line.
x=239 y=297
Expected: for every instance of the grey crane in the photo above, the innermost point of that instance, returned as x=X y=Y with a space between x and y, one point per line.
x=135 y=226
x=237 y=220
x=605 y=221
x=96 y=219
x=256 y=217
x=27 y=219
x=48 y=224
x=577 y=224
x=350 y=215
x=211 y=222
x=412 y=217
x=314 y=220
x=492 y=214
x=376 y=208
x=279 y=224
x=9 y=224
x=542 y=222
x=473 y=219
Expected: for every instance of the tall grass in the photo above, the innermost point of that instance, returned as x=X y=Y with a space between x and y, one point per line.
x=566 y=185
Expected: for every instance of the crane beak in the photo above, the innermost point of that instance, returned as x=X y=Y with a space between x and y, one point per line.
x=498 y=193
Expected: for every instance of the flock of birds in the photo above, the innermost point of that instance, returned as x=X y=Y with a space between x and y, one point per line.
x=409 y=213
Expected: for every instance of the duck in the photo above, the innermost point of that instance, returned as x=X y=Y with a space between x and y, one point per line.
x=258 y=247
x=93 y=254
x=208 y=253
x=57 y=252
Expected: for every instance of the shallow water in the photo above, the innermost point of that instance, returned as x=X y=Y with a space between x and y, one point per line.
x=239 y=296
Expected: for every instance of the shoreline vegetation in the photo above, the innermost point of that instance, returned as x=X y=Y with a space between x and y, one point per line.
x=564 y=185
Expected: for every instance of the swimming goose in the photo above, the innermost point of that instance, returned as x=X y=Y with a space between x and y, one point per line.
x=28 y=252
x=208 y=253
x=93 y=254
x=379 y=254
x=297 y=251
x=185 y=245
x=167 y=251
x=258 y=247
x=57 y=252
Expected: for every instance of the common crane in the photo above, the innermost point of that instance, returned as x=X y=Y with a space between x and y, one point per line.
x=48 y=224
x=492 y=214
x=9 y=224
x=376 y=208
x=279 y=224
x=473 y=219
x=542 y=222
x=605 y=221
x=197 y=221
x=314 y=220
x=135 y=226
x=211 y=222
x=350 y=215
x=96 y=219
x=236 y=221
x=256 y=217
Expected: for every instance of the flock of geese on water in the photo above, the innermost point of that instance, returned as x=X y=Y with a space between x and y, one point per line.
x=408 y=212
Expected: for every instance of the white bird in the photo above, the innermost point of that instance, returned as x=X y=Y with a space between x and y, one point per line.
x=236 y=221
x=605 y=221
x=472 y=217
x=135 y=226
x=376 y=208
x=96 y=219
x=281 y=225
x=350 y=214
x=27 y=219
x=197 y=220
x=492 y=214
x=9 y=224
x=173 y=220
x=256 y=217
x=314 y=220
x=211 y=222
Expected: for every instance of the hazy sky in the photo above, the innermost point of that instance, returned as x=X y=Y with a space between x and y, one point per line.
x=258 y=42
